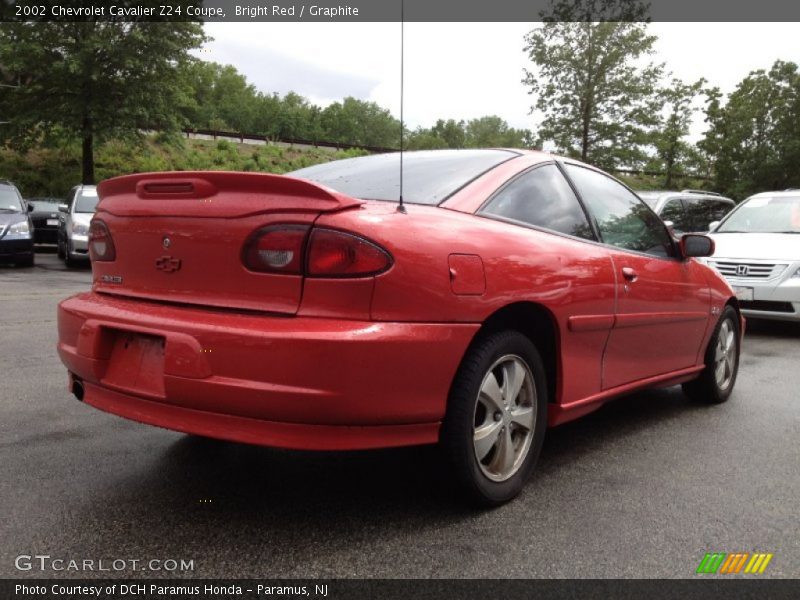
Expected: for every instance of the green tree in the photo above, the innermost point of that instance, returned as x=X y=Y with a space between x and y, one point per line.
x=453 y=133
x=673 y=152
x=597 y=95
x=494 y=132
x=753 y=140
x=354 y=121
x=95 y=80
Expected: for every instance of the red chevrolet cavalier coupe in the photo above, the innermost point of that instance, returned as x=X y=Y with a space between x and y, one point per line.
x=512 y=291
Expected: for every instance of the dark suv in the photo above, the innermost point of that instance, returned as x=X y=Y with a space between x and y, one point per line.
x=16 y=229
x=689 y=211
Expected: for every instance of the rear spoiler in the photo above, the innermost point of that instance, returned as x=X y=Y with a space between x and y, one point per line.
x=215 y=194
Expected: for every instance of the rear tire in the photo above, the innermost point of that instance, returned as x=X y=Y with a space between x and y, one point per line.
x=496 y=417
x=716 y=381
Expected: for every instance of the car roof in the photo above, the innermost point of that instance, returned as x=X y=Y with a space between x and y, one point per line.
x=780 y=194
x=681 y=194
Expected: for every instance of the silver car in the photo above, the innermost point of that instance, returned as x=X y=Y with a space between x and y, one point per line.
x=688 y=211
x=758 y=252
x=73 y=226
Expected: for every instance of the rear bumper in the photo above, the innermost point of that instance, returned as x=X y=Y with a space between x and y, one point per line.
x=294 y=382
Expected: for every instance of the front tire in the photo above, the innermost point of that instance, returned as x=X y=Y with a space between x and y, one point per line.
x=496 y=417
x=716 y=381
x=70 y=262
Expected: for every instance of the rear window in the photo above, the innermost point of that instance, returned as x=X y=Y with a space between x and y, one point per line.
x=429 y=177
x=86 y=201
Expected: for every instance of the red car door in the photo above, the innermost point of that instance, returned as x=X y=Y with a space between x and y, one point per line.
x=663 y=301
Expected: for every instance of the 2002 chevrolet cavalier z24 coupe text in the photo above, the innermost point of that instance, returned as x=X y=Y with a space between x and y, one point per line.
x=512 y=291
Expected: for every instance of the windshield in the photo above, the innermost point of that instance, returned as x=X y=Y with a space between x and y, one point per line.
x=765 y=214
x=10 y=200
x=50 y=205
x=86 y=201
x=429 y=177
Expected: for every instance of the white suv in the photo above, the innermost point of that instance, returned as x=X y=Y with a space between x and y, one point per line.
x=73 y=226
x=758 y=252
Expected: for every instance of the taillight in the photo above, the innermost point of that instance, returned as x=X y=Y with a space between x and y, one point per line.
x=276 y=249
x=289 y=249
x=101 y=246
x=338 y=254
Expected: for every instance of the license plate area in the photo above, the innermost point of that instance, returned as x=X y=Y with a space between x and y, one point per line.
x=136 y=363
x=744 y=293
x=52 y=222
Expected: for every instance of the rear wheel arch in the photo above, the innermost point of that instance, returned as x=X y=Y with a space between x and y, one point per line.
x=538 y=324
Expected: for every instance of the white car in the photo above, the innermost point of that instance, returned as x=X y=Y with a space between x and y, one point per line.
x=758 y=252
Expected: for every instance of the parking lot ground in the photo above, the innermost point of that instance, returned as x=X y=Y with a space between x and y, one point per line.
x=642 y=488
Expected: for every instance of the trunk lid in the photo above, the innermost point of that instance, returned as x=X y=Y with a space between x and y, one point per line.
x=179 y=236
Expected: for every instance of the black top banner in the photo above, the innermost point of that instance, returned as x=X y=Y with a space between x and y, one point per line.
x=391 y=10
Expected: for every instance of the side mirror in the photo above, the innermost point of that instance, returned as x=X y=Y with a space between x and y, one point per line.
x=713 y=225
x=669 y=224
x=63 y=208
x=30 y=207
x=693 y=245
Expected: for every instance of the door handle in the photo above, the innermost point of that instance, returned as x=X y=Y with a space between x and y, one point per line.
x=629 y=274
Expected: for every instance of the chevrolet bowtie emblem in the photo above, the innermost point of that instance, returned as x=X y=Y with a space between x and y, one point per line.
x=168 y=264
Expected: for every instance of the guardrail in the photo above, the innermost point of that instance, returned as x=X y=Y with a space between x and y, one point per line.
x=261 y=140
x=250 y=138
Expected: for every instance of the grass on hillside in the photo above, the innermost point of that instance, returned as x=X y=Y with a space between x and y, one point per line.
x=53 y=171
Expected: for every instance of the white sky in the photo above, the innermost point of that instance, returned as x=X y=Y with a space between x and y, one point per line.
x=463 y=70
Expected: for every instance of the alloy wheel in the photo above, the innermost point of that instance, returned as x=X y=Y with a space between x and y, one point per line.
x=505 y=418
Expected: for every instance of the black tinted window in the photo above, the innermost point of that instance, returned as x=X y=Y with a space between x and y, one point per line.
x=702 y=212
x=675 y=212
x=623 y=220
x=542 y=197
x=428 y=177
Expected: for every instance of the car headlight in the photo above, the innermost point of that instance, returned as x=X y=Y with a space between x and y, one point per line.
x=19 y=230
x=80 y=229
x=796 y=273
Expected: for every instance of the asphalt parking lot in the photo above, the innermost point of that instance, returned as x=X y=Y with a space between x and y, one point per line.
x=642 y=488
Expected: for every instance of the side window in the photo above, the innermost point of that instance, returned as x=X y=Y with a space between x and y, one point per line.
x=703 y=211
x=541 y=197
x=624 y=221
x=674 y=211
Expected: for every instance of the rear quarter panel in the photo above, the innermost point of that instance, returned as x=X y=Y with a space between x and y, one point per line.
x=566 y=276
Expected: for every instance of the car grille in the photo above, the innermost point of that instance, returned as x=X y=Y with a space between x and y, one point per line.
x=765 y=305
x=748 y=270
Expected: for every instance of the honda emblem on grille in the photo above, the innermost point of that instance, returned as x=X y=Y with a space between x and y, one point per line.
x=743 y=270
x=168 y=264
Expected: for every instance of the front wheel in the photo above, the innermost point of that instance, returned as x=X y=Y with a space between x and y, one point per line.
x=716 y=381
x=496 y=417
